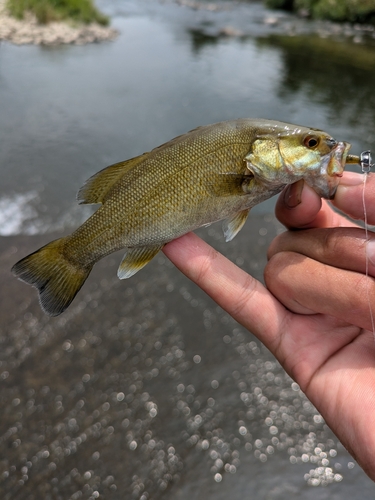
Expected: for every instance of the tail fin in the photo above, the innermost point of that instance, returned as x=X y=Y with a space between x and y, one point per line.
x=57 y=278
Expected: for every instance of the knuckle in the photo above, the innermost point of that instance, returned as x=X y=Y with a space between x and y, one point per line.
x=203 y=271
x=275 y=265
x=331 y=243
x=244 y=296
x=277 y=244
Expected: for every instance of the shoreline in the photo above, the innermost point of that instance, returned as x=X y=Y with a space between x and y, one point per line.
x=29 y=32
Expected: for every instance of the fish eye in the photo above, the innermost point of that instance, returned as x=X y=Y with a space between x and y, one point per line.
x=311 y=141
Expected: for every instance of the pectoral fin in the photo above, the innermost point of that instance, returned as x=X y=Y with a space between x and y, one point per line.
x=136 y=258
x=230 y=184
x=234 y=224
x=99 y=185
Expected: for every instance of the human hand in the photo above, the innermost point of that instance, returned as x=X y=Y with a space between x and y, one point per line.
x=316 y=321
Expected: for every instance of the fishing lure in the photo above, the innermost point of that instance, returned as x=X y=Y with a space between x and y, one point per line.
x=365 y=160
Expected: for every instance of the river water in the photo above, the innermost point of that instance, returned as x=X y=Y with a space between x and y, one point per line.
x=146 y=389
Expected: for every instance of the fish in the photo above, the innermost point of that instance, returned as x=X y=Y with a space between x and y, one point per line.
x=212 y=173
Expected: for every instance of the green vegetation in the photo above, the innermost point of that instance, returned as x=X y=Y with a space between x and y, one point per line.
x=82 y=11
x=355 y=11
x=280 y=4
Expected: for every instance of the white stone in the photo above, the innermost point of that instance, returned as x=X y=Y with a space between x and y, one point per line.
x=28 y=31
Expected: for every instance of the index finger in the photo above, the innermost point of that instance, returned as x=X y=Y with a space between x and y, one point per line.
x=238 y=293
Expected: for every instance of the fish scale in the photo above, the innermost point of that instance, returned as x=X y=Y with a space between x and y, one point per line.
x=215 y=172
x=136 y=205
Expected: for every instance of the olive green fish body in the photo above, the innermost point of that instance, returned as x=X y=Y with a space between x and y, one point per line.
x=212 y=173
x=177 y=179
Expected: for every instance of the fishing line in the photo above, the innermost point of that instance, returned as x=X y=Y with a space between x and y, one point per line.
x=366 y=168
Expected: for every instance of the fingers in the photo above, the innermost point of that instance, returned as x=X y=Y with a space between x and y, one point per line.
x=344 y=248
x=307 y=286
x=235 y=291
x=349 y=196
x=299 y=206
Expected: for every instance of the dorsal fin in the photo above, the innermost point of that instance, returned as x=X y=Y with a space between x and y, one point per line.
x=180 y=138
x=98 y=186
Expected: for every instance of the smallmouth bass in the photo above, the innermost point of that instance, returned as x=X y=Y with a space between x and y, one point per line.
x=215 y=172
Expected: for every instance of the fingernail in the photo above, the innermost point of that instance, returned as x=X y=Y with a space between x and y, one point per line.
x=293 y=194
x=351 y=179
x=370 y=250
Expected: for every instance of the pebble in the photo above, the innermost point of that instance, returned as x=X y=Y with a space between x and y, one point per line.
x=271 y=21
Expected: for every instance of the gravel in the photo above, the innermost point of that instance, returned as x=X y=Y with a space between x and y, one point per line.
x=29 y=31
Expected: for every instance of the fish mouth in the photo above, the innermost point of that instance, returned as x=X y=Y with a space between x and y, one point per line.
x=331 y=169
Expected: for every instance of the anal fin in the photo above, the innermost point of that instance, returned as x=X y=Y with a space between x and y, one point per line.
x=136 y=258
x=234 y=224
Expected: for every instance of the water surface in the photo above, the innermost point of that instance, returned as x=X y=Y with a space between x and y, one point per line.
x=146 y=389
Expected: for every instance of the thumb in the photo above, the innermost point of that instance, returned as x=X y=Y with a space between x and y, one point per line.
x=299 y=207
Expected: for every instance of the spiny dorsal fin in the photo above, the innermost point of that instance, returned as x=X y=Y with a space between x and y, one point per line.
x=98 y=186
x=234 y=224
x=136 y=258
x=179 y=138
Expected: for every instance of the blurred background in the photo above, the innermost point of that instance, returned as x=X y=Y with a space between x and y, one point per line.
x=145 y=389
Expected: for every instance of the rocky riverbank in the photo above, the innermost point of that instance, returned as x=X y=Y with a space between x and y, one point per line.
x=29 y=31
